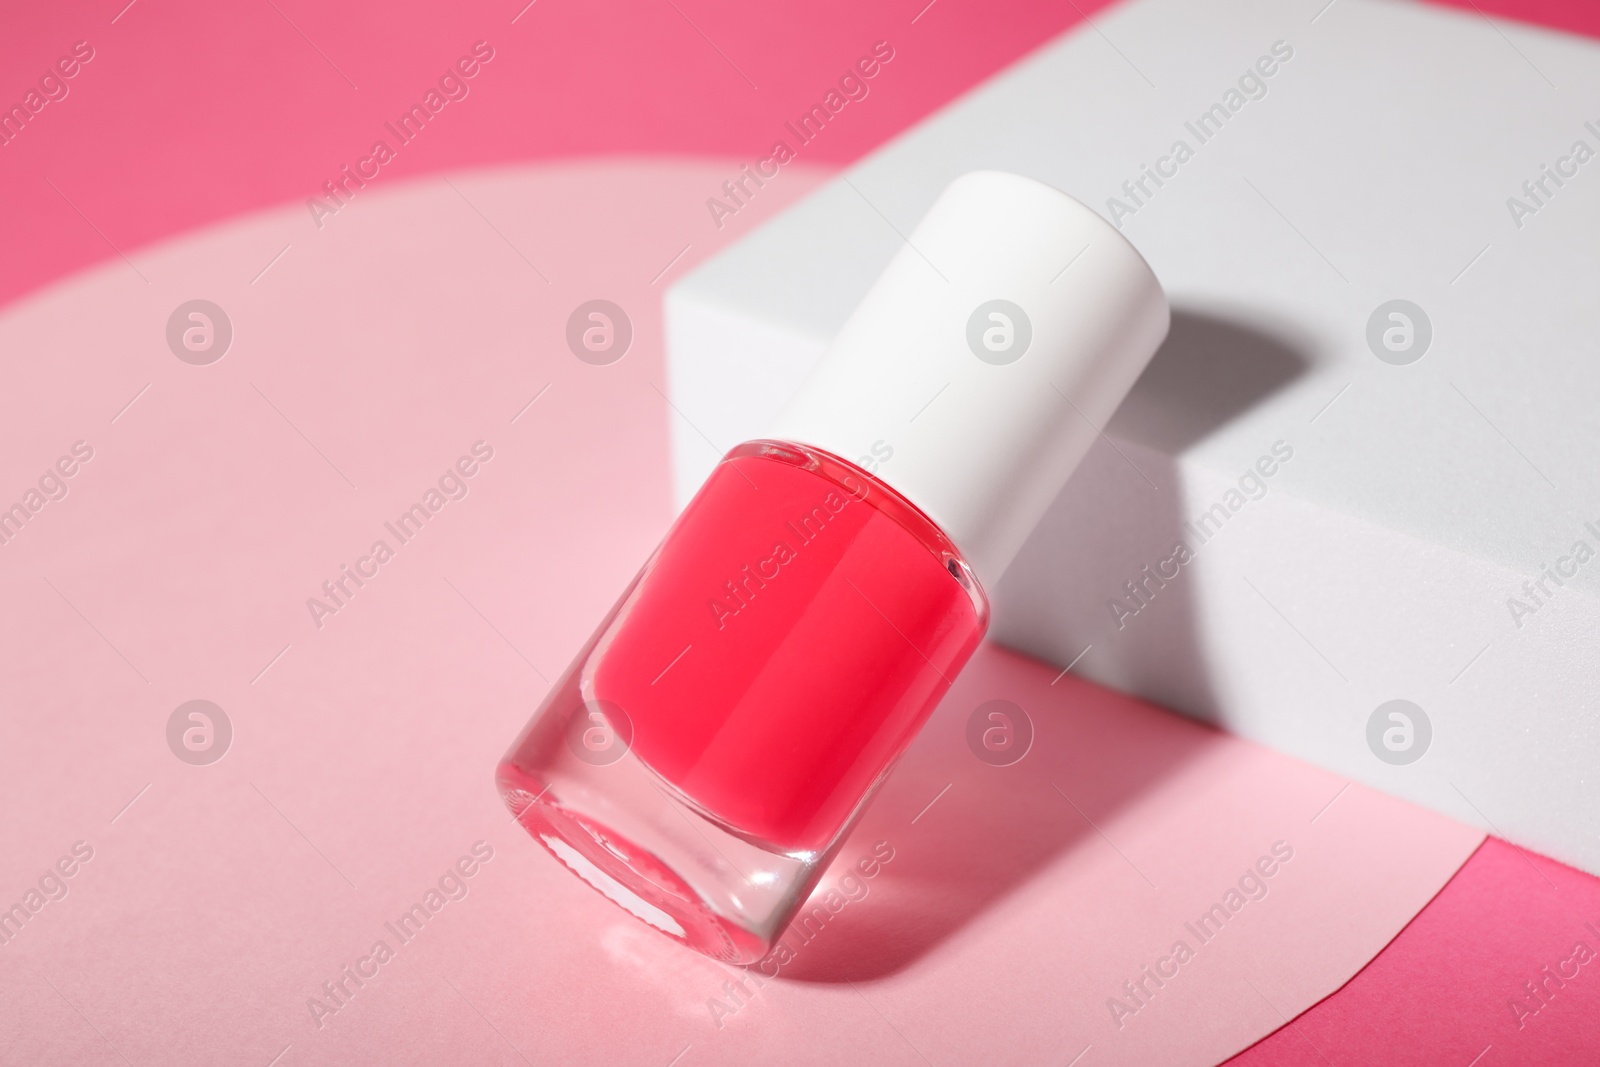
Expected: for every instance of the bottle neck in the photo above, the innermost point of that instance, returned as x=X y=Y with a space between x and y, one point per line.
x=861 y=484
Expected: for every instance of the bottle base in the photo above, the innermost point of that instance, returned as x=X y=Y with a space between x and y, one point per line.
x=650 y=851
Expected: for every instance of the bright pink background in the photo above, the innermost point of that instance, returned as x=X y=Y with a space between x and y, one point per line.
x=1442 y=991
x=196 y=114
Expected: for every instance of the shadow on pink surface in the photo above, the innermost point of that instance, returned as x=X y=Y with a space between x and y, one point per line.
x=1124 y=830
x=987 y=830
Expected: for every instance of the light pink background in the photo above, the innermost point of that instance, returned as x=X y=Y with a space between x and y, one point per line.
x=378 y=350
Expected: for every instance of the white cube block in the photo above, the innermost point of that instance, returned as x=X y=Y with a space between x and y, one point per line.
x=1426 y=529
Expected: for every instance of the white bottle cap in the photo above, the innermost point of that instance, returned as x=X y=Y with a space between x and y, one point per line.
x=986 y=359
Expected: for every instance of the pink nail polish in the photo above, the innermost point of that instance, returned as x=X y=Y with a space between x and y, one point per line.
x=703 y=757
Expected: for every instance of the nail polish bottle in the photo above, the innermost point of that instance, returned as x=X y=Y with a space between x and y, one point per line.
x=712 y=744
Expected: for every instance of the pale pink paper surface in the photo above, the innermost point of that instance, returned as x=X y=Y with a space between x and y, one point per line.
x=364 y=362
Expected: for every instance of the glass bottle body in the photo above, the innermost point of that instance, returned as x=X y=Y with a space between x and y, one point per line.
x=719 y=734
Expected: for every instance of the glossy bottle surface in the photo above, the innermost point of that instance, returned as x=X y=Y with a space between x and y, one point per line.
x=790 y=635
